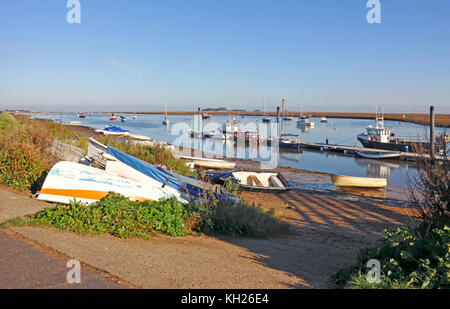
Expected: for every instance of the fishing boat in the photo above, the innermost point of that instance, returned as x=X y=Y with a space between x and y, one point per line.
x=166 y=121
x=68 y=181
x=377 y=154
x=379 y=137
x=81 y=115
x=74 y=122
x=358 y=182
x=113 y=117
x=209 y=163
x=122 y=118
x=323 y=119
x=253 y=181
x=206 y=116
x=114 y=131
x=135 y=117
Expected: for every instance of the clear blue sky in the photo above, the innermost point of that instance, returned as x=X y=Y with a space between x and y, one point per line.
x=133 y=54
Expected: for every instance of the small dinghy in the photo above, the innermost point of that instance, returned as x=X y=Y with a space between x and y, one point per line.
x=378 y=154
x=209 y=163
x=254 y=181
x=358 y=182
x=138 y=137
x=114 y=131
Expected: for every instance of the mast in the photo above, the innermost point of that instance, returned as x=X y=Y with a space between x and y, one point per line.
x=265 y=107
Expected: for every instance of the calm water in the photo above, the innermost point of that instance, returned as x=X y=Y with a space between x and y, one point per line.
x=337 y=131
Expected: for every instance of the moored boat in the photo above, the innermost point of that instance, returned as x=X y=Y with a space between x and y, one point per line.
x=377 y=154
x=380 y=137
x=358 y=182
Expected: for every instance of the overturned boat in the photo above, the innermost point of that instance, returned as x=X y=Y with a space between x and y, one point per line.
x=68 y=181
x=121 y=164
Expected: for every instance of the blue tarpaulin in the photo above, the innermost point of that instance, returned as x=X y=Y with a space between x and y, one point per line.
x=188 y=185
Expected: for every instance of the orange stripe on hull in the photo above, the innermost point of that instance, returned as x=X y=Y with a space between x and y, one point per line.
x=86 y=194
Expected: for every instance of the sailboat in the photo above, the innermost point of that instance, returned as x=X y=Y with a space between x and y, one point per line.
x=283 y=111
x=265 y=119
x=304 y=121
x=166 y=121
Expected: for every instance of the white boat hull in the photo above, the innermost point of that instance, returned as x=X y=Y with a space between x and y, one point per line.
x=67 y=181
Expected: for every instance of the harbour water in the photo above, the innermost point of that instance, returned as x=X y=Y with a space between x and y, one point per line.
x=336 y=131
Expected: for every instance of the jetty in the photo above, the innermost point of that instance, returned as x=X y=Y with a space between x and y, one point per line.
x=408 y=156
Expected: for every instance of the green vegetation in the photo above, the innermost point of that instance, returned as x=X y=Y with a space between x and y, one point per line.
x=120 y=217
x=7 y=122
x=24 y=156
x=409 y=258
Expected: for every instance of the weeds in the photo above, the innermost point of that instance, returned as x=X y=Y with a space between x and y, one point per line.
x=409 y=259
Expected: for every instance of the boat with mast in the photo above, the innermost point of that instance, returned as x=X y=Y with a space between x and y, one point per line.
x=284 y=114
x=165 y=121
x=265 y=118
x=304 y=121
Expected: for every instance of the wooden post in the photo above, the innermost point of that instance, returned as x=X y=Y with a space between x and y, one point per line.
x=278 y=121
x=432 y=132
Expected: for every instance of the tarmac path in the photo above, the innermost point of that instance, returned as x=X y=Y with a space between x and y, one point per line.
x=23 y=266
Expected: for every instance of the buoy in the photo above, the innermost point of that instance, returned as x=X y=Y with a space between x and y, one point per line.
x=335 y=129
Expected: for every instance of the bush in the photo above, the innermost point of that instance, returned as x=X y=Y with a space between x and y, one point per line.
x=23 y=155
x=409 y=258
x=227 y=218
x=118 y=216
x=429 y=191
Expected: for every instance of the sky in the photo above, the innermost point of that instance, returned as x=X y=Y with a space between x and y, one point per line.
x=131 y=55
